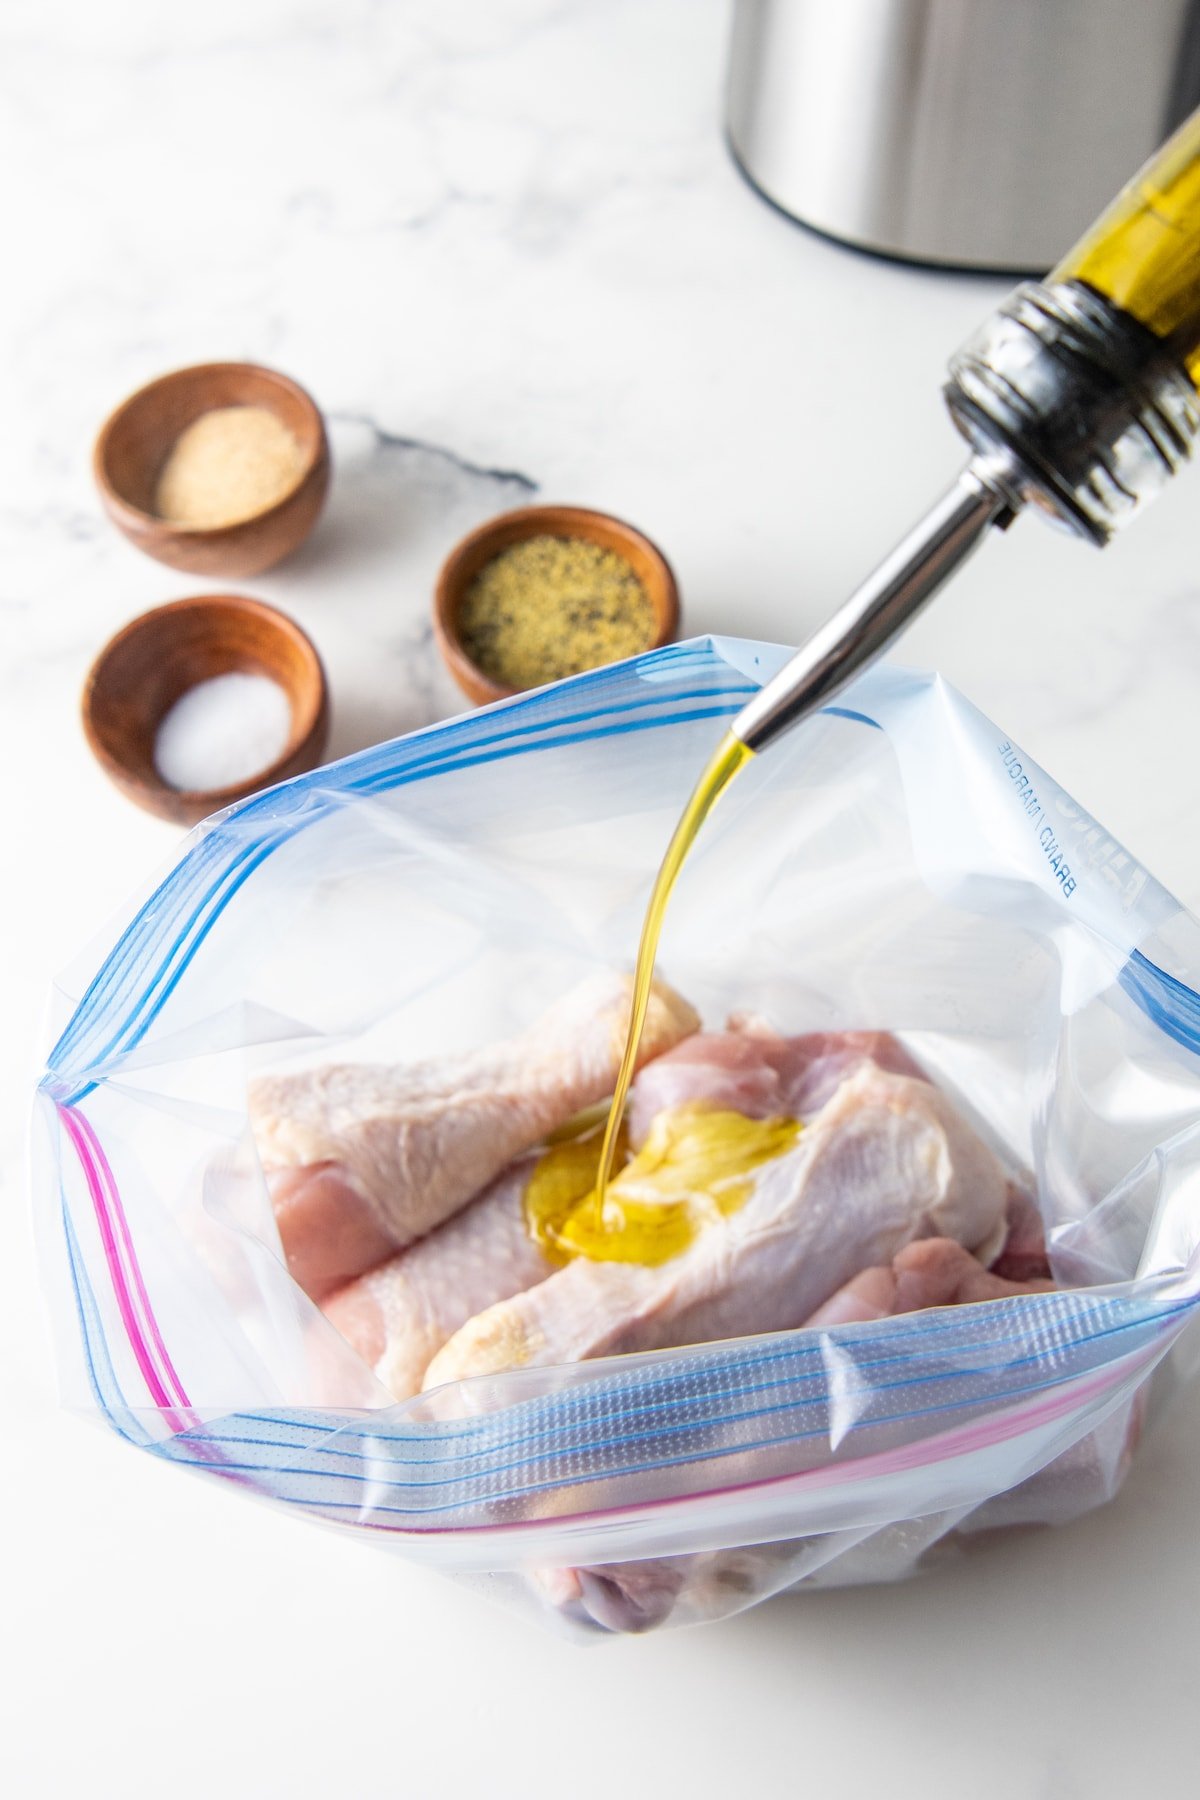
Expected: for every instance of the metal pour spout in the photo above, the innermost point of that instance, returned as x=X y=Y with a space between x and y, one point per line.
x=878 y=610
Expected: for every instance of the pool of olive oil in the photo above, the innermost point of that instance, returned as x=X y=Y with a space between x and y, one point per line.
x=694 y=1167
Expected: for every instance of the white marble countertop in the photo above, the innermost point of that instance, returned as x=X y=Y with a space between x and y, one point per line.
x=504 y=246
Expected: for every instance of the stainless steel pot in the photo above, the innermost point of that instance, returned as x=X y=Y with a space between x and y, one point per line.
x=985 y=133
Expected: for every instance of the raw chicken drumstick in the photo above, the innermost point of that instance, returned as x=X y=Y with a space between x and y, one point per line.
x=399 y=1315
x=751 y=1069
x=932 y=1272
x=886 y=1160
x=361 y=1159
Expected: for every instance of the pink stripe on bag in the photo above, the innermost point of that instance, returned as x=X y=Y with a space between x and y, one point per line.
x=106 y=1203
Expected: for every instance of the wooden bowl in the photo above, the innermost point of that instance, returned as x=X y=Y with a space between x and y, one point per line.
x=143 y=670
x=488 y=540
x=134 y=443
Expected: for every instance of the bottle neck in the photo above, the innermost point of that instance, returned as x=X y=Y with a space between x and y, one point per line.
x=1143 y=252
x=1092 y=409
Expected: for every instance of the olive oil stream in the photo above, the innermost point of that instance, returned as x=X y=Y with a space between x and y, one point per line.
x=730 y=756
x=696 y=1160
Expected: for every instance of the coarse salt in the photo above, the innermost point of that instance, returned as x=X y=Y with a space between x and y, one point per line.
x=221 y=732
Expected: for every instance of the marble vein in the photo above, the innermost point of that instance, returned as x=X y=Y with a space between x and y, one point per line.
x=391 y=440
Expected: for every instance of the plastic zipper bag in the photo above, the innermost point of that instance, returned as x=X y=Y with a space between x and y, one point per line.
x=897 y=864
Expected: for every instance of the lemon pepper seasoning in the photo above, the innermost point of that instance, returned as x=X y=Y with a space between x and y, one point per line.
x=553 y=606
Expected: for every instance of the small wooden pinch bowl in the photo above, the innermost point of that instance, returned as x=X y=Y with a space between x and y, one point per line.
x=479 y=547
x=137 y=438
x=143 y=670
